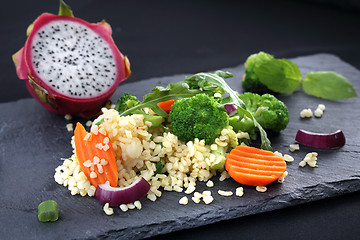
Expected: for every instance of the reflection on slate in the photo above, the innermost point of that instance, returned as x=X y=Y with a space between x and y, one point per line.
x=33 y=141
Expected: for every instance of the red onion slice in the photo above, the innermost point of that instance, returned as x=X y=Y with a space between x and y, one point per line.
x=230 y=109
x=122 y=195
x=321 y=140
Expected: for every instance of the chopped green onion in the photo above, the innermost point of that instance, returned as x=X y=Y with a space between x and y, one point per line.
x=100 y=122
x=48 y=211
x=159 y=166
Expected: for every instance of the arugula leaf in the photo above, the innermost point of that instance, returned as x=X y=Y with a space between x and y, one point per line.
x=216 y=79
x=160 y=94
x=279 y=75
x=328 y=85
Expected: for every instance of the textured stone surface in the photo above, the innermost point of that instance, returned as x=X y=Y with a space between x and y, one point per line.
x=33 y=141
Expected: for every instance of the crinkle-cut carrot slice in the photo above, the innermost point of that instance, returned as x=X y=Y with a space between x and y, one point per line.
x=270 y=161
x=254 y=166
x=89 y=157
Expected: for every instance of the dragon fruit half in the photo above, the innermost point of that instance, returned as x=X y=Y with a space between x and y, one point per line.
x=70 y=66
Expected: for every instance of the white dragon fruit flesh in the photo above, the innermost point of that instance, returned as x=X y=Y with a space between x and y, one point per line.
x=71 y=66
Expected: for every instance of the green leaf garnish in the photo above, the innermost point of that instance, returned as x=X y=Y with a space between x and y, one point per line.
x=65 y=10
x=328 y=85
x=279 y=75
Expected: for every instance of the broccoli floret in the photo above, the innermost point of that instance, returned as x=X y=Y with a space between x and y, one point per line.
x=271 y=113
x=127 y=101
x=250 y=80
x=198 y=117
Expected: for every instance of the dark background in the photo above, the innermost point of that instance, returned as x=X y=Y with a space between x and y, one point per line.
x=169 y=37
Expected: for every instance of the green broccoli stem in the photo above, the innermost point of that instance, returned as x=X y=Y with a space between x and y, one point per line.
x=219 y=161
x=244 y=124
x=156 y=121
x=259 y=111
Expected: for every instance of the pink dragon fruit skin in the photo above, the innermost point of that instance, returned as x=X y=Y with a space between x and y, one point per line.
x=50 y=97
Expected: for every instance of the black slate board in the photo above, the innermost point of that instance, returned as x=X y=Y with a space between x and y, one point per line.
x=33 y=141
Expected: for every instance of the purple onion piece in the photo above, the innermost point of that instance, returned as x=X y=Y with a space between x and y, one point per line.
x=321 y=140
x=122 y=195
x=230 y=109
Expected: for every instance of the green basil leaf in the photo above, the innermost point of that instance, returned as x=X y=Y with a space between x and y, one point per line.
x=328 y=85
x=279 y=75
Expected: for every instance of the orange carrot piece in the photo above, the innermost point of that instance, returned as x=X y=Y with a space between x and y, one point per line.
x=261 y=172
x=166 y=106
x=251 y=165
x=90 y=157
x=256 y=159
x=251 y=179
x=254 y=166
